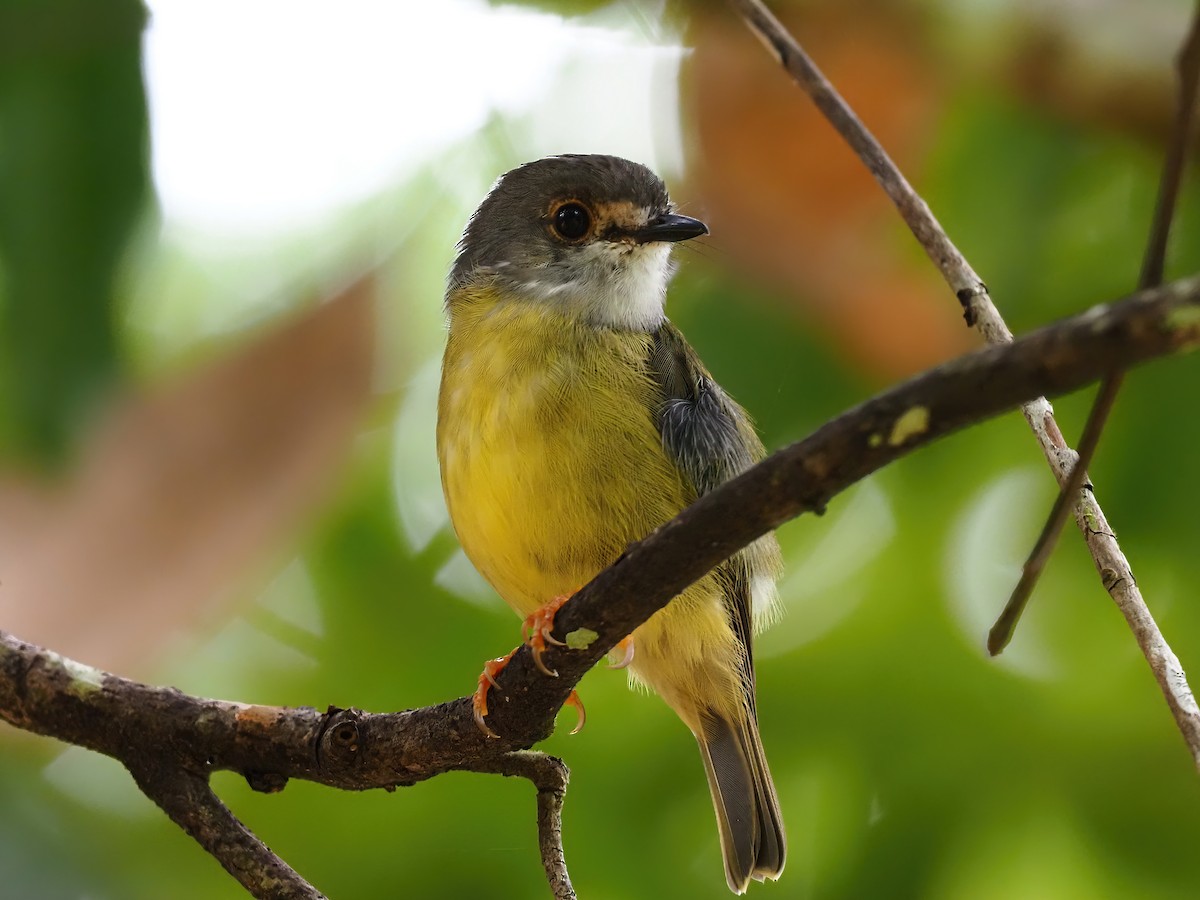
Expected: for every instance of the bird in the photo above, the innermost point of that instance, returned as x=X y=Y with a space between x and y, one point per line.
x=573 y=419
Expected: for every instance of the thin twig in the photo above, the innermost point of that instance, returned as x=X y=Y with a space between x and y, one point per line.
x=550 y=776
x=1068 y=497
x=1153 y=262
x=980 y=312
x=966 y=284
x=345 y=748
x=1188 y=69
x=549 y=818
x=172 y=742
x=192 y=805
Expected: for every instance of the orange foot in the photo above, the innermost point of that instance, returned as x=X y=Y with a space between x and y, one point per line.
x=537 y=629
x=487 y=681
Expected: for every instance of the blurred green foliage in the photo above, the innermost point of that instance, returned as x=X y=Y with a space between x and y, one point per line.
x=908 y=764
x=73 y=182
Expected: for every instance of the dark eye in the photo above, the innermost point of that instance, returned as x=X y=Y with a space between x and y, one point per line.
x=572 y=221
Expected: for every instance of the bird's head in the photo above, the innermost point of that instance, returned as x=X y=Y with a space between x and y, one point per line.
x=587 y=235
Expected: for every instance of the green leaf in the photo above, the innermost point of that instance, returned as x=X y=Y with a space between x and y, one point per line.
x=73 y=179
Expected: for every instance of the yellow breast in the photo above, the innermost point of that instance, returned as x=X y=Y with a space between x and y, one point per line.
x=551 y=459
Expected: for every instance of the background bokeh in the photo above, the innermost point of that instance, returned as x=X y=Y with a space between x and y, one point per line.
x=224 y=230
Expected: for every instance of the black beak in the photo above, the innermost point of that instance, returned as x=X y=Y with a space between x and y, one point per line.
x=670 y=227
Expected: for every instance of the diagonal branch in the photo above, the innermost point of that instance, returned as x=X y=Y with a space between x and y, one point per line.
x=1151 y=275
x=192 y=805
x=550 y=776
x=1002 y=630
x=172 y=742
x=345 y=748
x=1187 y=66
x=980 y=312
x=968 y=287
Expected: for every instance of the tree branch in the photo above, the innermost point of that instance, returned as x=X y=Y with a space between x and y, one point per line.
x=550 y=776
x=172 y=742
x=1002 y=629
x=191 y=804
x=1153 y=262
x=980 y=312
x=1187 y=67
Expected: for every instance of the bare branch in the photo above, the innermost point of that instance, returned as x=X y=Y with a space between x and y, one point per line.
x=1188 y=70
x=550 y=840
x=173 y=742
x=1151 y=275
x=980 y=312
x=968 y=287
x=1002 y=630
x=550 y=776
x=187 y=798
x=346 y=748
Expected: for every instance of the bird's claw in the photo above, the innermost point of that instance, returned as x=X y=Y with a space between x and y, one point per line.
x=487 y=681
x=573 y=700
x=626 y=648
x=538 y=630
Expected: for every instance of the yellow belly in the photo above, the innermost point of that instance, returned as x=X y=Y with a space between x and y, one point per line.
x=551 y=460
x=552 y=464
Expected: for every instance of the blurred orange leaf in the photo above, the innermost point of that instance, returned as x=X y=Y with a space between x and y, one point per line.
x=792 y=203
x=185 y=489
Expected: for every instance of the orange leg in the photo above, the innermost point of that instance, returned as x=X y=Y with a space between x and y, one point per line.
x=537 y=630
x=487 y=681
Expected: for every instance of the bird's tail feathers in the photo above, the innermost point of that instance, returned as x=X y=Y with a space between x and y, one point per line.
x=748 y=817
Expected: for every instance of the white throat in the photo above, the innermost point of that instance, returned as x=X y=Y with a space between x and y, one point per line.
x=609 y=284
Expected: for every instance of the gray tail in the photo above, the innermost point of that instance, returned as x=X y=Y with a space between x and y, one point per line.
x=743 y=794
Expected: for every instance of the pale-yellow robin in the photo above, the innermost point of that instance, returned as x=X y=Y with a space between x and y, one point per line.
x=573 y=419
